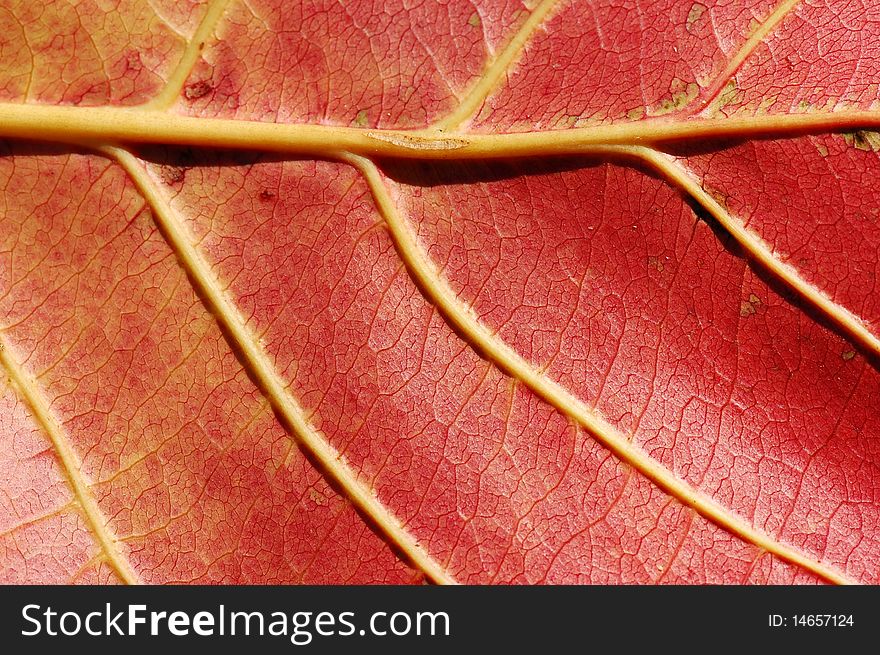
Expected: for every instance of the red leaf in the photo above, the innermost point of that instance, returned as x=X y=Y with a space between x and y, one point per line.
x=475 y=292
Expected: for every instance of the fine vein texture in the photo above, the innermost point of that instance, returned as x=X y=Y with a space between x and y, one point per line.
x=457 y=313
x=174 y=84
x=268 y=379
x=486 y=292
x=761 y=253
x=756 y=38
x=501 y=64
x=97 y=522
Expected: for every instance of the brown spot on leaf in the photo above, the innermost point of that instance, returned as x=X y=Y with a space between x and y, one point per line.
x=848 y=355
x=172 y=175
x=197 y=90
x=729 y=95
x=718 y=197
x=750 y=306
x=266 y=195
x=681 y=94
x=863 y=140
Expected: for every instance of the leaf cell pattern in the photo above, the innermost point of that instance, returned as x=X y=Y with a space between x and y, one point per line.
x=472 y=291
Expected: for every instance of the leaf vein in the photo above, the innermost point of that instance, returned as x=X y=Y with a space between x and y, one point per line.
x=508 y=360
x=267 y=377
x=70 y=463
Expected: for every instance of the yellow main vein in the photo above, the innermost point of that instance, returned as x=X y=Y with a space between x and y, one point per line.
x=107 y=125
x=466 y=322
x=70 y=463
x=491 y=76
x=757 y=38
x=171 y=91
x=268 y=378
x=669 y=167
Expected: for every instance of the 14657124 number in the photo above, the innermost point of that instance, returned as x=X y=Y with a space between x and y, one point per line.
x=810 y=621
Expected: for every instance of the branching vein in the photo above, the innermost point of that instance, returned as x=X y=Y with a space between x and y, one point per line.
x=676 y=173
x=267 y=377
x=499 y=67
x=171 y=91
x=756 y=39
x=70 y=464
x=460 y=316
x=101 y=127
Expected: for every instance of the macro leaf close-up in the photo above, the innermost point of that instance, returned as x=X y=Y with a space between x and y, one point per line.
x=454 y=291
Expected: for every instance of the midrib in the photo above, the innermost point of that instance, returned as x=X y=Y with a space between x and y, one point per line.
x=98 y=127
x=91 y=126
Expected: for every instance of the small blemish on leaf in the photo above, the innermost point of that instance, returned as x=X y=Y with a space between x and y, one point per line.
x=361 y=120
x=655 y=263
x=133 y=61
x=197 y=90
x=823 y=151
x=695 y=14
x=172 y=175
x=413 y=142
x=718 y=197
x=729 y=95
x=768 y=102
x=750 y=306
x=636 y=114
x=474 y=20
x=848 y=355
x=266 y=195
x=863 y=140
x=681 y=94
x=317 y=497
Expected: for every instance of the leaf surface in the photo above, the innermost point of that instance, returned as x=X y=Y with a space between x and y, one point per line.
x=481 y=292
